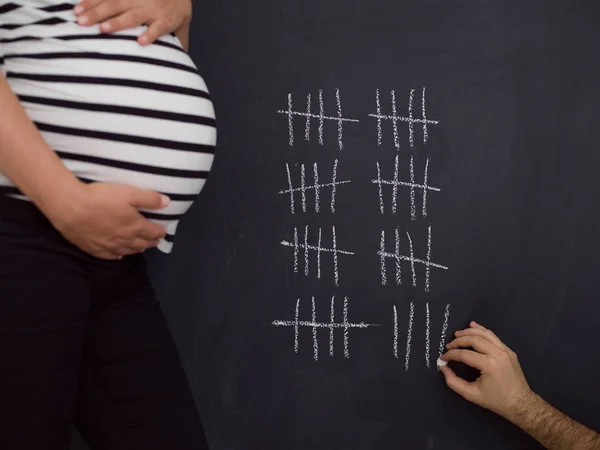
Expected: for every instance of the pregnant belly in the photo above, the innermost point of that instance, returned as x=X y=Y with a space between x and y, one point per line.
x=115 y=111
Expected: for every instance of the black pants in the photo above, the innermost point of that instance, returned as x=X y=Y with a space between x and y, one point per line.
x=84 y=341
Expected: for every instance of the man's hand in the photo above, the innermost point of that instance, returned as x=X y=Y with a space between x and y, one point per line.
x=502 y=383
x=502 y=388
x=103 y=220
x=161 y=16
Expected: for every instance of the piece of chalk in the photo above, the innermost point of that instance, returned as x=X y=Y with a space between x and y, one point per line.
x=441 y=362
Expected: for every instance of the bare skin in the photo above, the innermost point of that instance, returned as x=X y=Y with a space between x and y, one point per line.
x=503 y=389
x=161 y=16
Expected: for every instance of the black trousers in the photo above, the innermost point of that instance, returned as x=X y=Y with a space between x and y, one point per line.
x=84 y=341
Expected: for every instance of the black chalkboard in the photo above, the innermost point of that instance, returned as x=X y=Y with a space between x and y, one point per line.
x=509 y=92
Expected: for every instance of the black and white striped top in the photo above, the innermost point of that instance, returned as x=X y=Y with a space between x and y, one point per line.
x=113 y=110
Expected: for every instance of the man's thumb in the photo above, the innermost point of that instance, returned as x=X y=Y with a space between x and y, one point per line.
x=149 y=199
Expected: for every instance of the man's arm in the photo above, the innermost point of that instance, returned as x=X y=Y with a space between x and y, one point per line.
x=161 y=16
x=503 y=389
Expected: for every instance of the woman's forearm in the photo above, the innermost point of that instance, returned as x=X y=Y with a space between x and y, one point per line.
x=28 y=161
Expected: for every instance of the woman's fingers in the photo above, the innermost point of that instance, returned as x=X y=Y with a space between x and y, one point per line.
x=155 y=30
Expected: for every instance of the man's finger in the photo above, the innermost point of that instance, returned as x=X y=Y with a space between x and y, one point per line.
x=154 y=31
x=479 y=343
x=461 y=387
x=483 y=333
x=469 y=357
x=129 y=19
x=100 y=12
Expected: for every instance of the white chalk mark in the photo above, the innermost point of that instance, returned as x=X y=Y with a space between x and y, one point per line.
x=380 y=188
x=413 y=208
x=379 y=130
x=409 y=259
x=334 y=184
x=319 y=250
x=395 y=121
x=321 y=116
x=332 y=328
x=314 y=331
x=306 y=251
x=427 y=342
x=289 y=113
x=307 y=127
x=316 y=187
x=296 y=327
x=412 y=260
x=395 y=186
x=382 y=254
x=411 y=130
x=308 y=115
x=336 y=274
x=410 y=120
x=291 y=189
x=412 y=184
x=346 y=326
x=340 y=121
x=303 y=186
x=295 y=245
x=409 y=335
x=307 y=248
x=397 y=259
x=395 y=332
x=427 y=270
x=444 y=330
x=425 y=134
x=425 y=187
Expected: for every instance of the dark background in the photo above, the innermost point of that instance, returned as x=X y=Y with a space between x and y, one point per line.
x=515 y=87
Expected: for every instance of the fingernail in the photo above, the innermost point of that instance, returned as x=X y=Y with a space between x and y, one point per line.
x=78 y=9
x=82 y=20
x=164 y=200
x=105 y=26
x=144 y=39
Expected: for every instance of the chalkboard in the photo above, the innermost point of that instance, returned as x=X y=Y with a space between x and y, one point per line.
x=386 y=172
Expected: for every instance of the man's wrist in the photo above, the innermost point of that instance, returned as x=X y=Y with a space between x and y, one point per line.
x=526 y=403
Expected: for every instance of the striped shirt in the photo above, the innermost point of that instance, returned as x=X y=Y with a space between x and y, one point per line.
x=112 y=110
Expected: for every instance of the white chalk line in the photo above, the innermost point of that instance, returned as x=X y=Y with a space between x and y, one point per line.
x=395 y=332
x=395 y=122
x=317 y=187
x=395 y=186
x=321 y=117
x=413 y=207
x=346 y=334
x=305 y=251
x=425 y=187
x=290 y=121
x=397 y=260
x=428 y=268
x=340 y=122
x=291 y=190
x=314 y=331
x=444 y=331
x=307 y=126
x=295 y=245
x=409 y=336
x=296 y=327
x=379 y=182
x=411 y=259
x=336 y=275
x=382 y=255
x=331 y=327
x=319 y=256
x=303 y=186
x=427 y=343
x=379 y=130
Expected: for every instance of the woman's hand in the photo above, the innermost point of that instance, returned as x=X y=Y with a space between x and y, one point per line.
x=161 y=16
x=103 y=219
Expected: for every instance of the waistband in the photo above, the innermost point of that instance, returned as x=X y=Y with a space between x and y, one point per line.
x=23 y=211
